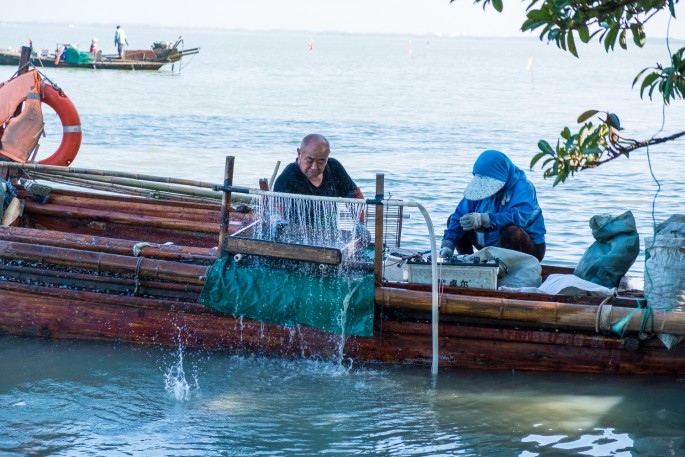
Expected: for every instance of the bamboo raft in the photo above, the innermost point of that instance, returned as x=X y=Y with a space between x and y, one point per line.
x=130 y=268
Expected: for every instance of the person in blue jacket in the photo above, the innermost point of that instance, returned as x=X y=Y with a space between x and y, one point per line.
x=499 y=208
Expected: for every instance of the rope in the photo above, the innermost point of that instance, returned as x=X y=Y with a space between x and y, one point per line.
x=599 y=327
x=139 y=246
x=647 y=315
x=620 y=326
x=137 y=277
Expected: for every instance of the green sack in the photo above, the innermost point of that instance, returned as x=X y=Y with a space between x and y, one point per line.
x=609 y=258
x=288 y=296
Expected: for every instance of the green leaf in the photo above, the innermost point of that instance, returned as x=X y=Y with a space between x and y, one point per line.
x=545 y=147
x=649 y=81
x=544 y=164
x=622 y=40
x=584 y=34
x=497 y=4
x=613 y=121
x=571 y=43
x=587 y=115
x=536 y=157
x=610 y=38
x=639 y=37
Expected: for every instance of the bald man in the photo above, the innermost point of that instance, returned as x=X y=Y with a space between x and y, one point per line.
x=315 y=173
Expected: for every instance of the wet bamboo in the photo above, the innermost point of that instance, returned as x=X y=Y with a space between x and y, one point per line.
x=108 y=284
x=108 y=245
x=97 y=298
x=120 y=218
x=161 y=270
x=114 y=202
x=560 y=315
x=90 y=171
x=121 y=189
x=140 y=184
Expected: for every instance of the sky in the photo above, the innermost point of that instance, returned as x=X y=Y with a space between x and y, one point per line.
x=461 y=18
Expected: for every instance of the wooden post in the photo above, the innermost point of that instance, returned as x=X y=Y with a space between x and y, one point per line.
x=24 y=59
x=378 y=243
x=226 y=202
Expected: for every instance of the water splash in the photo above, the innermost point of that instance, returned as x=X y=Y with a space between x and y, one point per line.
x=175 y=380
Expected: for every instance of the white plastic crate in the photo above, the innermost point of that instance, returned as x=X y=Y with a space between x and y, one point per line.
x=482 y=276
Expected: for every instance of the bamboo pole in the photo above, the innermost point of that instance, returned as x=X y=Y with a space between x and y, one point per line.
x=141 y=185
x=225 y=218
x=378 y=243
x=108 y=245
x=85 y=178
x=54 y=169
x=119 y=203
x=560 y=315
x=121 y=189
x=61 y=211
x=273 y=175
x=109 y=284
x=161 y=270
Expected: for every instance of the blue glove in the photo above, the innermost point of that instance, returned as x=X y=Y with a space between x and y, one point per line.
x=474 y=221
x=446 y=249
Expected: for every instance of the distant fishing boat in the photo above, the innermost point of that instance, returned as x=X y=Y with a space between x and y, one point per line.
x=67 y=56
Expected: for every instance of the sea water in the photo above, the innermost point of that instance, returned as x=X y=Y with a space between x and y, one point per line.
x=418 y=110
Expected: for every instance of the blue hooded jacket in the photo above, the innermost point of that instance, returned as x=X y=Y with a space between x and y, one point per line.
x=516 y=203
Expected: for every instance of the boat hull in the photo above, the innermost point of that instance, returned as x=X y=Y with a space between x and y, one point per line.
x=12 y=59
x=35 y=311
x=96 y=267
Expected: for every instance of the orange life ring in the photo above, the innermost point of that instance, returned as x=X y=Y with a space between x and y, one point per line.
x=71 y=127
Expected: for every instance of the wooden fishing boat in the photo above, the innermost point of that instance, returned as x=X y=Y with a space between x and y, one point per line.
x=131 y=258
x=131 y=268
x=159 y=55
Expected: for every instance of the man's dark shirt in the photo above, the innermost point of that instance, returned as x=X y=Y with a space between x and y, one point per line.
x=336 y=182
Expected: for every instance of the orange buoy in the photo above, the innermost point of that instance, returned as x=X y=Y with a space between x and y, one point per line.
x=71 y=127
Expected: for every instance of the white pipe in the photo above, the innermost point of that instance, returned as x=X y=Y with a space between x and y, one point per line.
x=434 y=283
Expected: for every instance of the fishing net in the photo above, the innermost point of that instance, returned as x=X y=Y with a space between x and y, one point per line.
x=277 y=295
x=334 y=298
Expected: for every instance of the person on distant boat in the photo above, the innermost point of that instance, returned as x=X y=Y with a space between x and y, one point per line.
x=120 y=41
x=93 y=45
x=499 y=208
x=314 y=172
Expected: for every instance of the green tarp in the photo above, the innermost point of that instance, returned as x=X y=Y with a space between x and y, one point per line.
x=287 y=296
x=73 y=55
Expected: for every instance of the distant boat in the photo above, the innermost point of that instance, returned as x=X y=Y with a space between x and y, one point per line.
x=67 y=56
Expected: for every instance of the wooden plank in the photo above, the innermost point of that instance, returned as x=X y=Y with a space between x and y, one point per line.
x=315 y=254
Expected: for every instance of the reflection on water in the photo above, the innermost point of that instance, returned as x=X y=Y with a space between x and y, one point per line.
x=600 y=443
